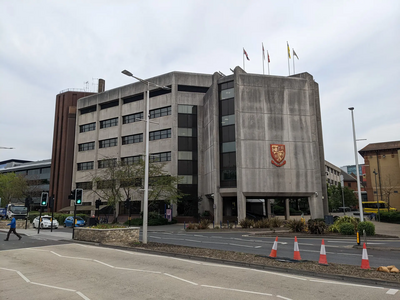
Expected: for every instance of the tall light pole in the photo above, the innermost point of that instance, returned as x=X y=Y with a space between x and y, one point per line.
x=377 y=196
x=146 y=166
x=358 y=171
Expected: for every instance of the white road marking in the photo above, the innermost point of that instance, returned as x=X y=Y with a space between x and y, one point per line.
x=100 y=262
x=236 y=290
x=74 y=257
x=349 y=284
x=217 y=243
x=83 y=296
x=284 y=298
x=195 y=241
x=53 y=287
x=392 y=292
x=155 y=237
x=198 y=235
x=279 y=274
x=175 y=239
x=23 y=277
x=138 y=270
x=180 y=279
x=256 y=247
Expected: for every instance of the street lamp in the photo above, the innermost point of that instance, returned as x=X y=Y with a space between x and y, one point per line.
x=146 y=166
x=358 y=171
x=377 y=196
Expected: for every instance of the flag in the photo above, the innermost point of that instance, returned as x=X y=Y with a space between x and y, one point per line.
x=245 y=53
x=288 y=49
x=263 y=51
x=295 y=54
x=268 y=56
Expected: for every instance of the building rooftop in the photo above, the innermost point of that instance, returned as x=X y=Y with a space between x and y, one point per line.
x=380 y=146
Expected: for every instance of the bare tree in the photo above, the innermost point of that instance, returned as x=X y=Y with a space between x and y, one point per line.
x=388 y=188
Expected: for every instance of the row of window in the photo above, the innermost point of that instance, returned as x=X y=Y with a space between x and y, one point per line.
x=34 y=171
x=105 y=163
x=154 y=113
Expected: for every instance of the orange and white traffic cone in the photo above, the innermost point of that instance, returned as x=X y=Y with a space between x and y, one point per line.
x=274 y=248
x=364 y=260
x=296 y=255
x=322 y=255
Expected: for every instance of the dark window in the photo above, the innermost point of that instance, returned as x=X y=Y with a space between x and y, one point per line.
x=229 y=160
x=86 y=146
x=87 y=110
x=192 y=88
x=187 y=167
x=349 y=184
x=159 y=92
x=131 y=139
x=108 y=143
x=132 y=118
x=109 y=123
x=34 y=172
x=227 y=107
x=226 y=85
x=84 y=185
x=160 y=112
x=159 y=157
x=228 y=133
x=45 y=170
x=133 y=98
x=130 y=160
x=187 y=143
x=160 y=134
x=106 y=163
x=109 y=104
x=85 y=166
x=187 y=121
x=132 y=182
x=87 y=127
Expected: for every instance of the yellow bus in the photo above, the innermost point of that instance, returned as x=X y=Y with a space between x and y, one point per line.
x=372 y=207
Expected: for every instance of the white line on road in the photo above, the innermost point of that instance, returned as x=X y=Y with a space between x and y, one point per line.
x=23 y=277
x=154 y=237
x=138 y=270
x=175 y=239
x=236 y=290
x=241 y=245
x=392 y=292
x=217 y=243
x=53 y=287
x=284 y=298
x=350 y=284
x=100 y=262
x=180 y=279
x=195 y=241
x=83 y=296
x=256 y=247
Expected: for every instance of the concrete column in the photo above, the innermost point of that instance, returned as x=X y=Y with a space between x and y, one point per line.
x=241 y=206
x=287 y=209
x=218 y=209
x=268 y=203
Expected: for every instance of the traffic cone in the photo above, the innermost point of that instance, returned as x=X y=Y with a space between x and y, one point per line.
x=364 y=260
x=274 y=248
x=296 y=255
x=322 y=254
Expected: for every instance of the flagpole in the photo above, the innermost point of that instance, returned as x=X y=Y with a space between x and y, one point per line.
x=288 y=63
x=263 y=57
x=268 y=60
x=294 y=72
x=244 y=68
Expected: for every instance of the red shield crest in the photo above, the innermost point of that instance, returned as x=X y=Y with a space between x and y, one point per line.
x=278 y=153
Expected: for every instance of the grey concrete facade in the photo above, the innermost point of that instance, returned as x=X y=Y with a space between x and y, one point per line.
x=268 y=110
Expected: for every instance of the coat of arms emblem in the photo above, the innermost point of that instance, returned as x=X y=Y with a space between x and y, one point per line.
x=278 y=154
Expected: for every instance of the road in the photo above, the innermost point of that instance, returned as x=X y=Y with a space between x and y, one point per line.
x=337 y=250
x=78 y=271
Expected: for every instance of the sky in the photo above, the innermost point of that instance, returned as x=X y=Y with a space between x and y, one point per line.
x=351 y=48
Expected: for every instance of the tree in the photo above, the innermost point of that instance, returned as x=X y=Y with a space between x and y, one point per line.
x=388 y=188
x=118 y=181
x=12 y=186
x=335 y=197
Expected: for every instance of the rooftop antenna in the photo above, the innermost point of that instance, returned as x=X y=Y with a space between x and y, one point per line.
x=86 y=83
x=232 y=70
x=221 y=73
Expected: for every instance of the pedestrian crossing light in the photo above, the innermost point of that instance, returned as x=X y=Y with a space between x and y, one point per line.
x=78 y=196
x=44 y=199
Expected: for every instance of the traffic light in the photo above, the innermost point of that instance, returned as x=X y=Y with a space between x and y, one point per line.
x=44 y=199
x=78 y=196
x=98 y=203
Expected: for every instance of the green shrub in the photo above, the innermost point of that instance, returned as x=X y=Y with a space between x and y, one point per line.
x=316 y=226
x=390 y=217
x=297 y=225
x=246 y=223
x=346 y=229
x=278 y=210
x=134 y=222
x=369 y=228
x=264 y=223
x=275 y=222
x=344 y=219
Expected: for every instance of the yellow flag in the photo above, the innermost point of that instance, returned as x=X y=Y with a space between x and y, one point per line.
x=288 y=49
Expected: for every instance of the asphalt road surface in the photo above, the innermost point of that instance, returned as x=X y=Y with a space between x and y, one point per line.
x=337 y=250
x=79 y=271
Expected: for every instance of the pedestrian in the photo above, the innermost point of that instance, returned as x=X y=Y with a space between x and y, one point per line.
x=13 y=226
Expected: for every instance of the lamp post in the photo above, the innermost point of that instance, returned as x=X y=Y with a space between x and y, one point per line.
x=358 y=171
x=146 y=166
x=377 y=196
x=342 y=186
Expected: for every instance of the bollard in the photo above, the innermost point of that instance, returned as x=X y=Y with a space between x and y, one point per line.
x=227 y=224
x=184 y=225
x=213 y=224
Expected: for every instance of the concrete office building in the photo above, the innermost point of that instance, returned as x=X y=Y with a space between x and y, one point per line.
x=231 y=138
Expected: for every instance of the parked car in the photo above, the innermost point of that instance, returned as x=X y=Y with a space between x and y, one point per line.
x=45 y=223
x=69 y=221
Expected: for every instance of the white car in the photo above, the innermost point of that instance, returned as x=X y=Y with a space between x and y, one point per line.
x=46 y=222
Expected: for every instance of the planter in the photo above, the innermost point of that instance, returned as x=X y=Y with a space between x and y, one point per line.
x=125 y=236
